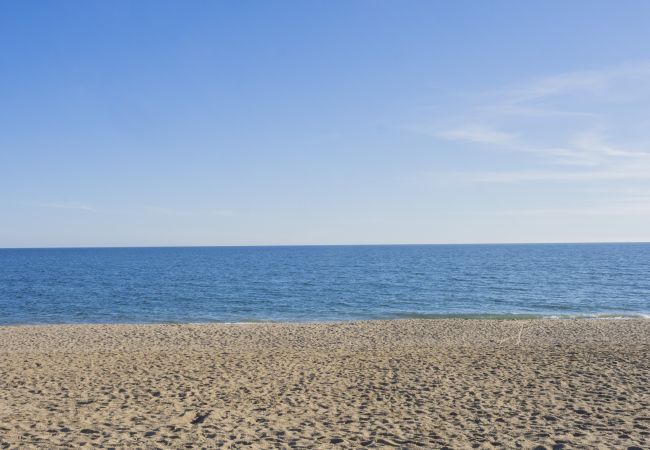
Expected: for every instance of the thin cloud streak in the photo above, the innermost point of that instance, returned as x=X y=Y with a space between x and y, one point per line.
x=598 y=210
x=189 y=212
x=576 y=82
x=68 y=205
x=480 y=134
x=157 y=210
x=513 y=120
x=532 y=176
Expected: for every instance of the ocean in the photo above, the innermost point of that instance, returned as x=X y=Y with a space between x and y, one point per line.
x=322 y=283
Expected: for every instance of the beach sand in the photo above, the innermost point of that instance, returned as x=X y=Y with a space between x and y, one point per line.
x=404 y=383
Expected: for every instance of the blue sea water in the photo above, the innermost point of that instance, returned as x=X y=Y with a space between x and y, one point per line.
x=321 y=283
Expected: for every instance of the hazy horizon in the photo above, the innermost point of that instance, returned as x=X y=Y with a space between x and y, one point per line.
x=395 y=244
x=155 y=124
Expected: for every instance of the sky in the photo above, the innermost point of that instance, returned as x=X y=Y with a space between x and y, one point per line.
x=155 y=123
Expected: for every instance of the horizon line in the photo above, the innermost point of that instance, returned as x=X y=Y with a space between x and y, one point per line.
x=90 y=247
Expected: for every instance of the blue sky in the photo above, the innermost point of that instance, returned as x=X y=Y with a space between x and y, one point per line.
x=237 y=123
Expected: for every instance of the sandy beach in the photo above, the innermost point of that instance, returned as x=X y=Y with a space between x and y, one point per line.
x=404 y=383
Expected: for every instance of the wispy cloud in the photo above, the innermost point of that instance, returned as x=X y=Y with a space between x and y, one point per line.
x=577 y=82
x=68 y=205
x=613 y=209
x=130 y=210
x=613 y=174
x=480 y=134
x=189 y=212
x=581 y=119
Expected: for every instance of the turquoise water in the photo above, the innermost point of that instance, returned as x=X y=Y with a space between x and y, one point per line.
x=322 y=283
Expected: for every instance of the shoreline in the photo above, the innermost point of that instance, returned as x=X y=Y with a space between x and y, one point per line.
x=376 y=384
x=404 y=317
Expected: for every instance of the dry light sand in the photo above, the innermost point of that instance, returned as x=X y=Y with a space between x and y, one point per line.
x=406 y=384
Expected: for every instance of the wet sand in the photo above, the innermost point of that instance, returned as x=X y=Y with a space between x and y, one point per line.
x=405 y=384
